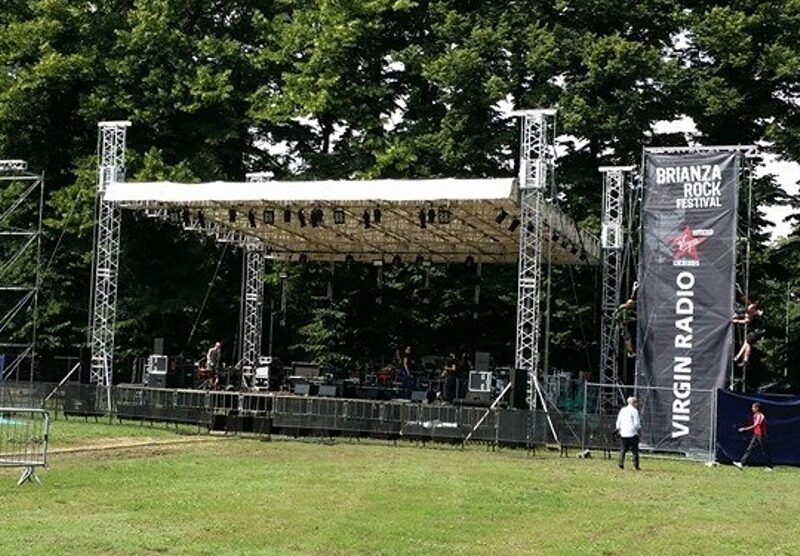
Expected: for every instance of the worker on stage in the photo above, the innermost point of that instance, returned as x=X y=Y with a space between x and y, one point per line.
x=213 y=361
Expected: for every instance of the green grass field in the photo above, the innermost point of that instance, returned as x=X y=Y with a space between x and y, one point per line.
x=247 y=496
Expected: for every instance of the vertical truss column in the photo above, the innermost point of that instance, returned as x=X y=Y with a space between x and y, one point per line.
x=612 y=240
x=111 y=168
x=252 y=314
x=536 y=171
x=20 y=265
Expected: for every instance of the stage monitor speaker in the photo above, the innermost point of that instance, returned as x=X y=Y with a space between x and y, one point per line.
x=302 y=389
x=304 y=369
x=519 y=389
x=480 y=381
x=482 y=361
x=327 y=391
x=478 y=398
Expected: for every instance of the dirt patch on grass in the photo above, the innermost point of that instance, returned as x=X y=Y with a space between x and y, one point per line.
x=128 y=446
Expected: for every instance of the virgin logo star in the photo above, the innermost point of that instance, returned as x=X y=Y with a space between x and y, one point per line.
x=685 y=244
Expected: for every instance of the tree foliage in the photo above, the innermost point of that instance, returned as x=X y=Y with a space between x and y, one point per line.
x=375 y=89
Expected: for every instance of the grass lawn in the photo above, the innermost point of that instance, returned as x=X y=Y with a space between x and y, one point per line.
x=246 y=496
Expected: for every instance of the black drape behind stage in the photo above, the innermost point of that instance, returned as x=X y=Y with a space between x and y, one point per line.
x=783 y=427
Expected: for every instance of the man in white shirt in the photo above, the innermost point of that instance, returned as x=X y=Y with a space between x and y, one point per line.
x=628 y=427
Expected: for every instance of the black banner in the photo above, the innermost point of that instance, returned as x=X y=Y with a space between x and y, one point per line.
x=686 y=293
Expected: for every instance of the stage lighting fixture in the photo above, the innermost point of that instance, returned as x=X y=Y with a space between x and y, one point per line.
x=422 y=221
x=514 y=225
x=303 y=258
x=251 y=218
x=320 y=215
x=315 y=217
x=502 y=215
x=231 y=215
x=376 y=215
x=349 y=258
x=301 y=216
x=338 y=216
x=269 y=216
x=444 y=215
x=431 y=216
x=396 y=259
x=201 y=219
x=470 y=261
x=287 y=215
x=365 y=218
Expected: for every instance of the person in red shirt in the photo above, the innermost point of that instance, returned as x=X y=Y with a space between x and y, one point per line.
x=759 y=428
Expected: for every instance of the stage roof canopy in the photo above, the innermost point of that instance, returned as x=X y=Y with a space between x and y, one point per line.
x=444 y=220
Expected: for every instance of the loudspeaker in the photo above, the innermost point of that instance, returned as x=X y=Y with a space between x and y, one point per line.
x=84 y=372
x=327 y=391
x=519 y=389
x=302 y=389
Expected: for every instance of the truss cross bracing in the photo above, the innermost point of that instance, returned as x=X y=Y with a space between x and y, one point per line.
x=612 y=242
x=20 y=266
x=252 y=302
x=111 y=169
x=536 y=172
x=498 y=220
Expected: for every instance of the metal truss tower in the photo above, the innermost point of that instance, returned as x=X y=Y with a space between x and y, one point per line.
x=537 y=159
x=252 y=302
x=111 y=168
x=252 y=306
x=612 y=242
x=20 y=266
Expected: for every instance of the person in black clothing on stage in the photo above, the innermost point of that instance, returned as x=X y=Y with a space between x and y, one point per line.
x=450 y=378
x=405 y=372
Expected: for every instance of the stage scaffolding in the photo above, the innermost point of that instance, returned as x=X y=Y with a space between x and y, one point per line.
x=20 y=267
x=498 y=220
x=612 y=242
x=111 y=168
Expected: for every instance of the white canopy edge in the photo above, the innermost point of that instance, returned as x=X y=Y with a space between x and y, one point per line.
x=313 y=191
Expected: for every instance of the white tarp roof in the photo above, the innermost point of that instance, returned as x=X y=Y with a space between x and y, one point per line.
x=399 y=191
x=462 y=218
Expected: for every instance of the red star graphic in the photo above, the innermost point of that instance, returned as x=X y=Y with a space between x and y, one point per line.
x=686 y=244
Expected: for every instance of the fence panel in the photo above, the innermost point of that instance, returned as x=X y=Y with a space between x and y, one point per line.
x=603 y=402
x=23 y=439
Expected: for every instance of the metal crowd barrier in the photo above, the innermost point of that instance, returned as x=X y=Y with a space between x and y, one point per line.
x=582 y=415
x=23 y=440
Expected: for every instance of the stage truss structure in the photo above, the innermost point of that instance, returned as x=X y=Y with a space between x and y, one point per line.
x=20 y=266
x=111 y=169
x=537 y=160
x=381 y=221
x=616 y=180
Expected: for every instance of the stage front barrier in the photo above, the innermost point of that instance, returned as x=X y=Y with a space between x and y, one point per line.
x=29 y=394
x=598 y=426
x=578 y=412
x=23 y=439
